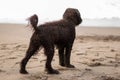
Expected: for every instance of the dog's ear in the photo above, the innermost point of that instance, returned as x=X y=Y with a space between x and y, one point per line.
x=72 y=15
x=68 y=13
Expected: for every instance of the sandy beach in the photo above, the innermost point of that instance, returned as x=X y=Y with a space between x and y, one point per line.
x=95 y=54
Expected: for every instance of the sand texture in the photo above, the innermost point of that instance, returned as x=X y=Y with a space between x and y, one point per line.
x=95 y=54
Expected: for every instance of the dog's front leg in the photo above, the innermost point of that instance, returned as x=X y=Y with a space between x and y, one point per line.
x=67 y=56
x=61 y=56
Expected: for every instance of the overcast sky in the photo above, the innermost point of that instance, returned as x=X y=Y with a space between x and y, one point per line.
x=19 y=10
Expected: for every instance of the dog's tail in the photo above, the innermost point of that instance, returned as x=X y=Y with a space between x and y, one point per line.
x=33 y=20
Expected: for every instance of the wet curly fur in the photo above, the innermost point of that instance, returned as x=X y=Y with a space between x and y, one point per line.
x=57 y=33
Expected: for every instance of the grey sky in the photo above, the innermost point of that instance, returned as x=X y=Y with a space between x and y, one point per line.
x=53 y=9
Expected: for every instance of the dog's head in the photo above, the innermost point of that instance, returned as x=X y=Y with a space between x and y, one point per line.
x=73 y=15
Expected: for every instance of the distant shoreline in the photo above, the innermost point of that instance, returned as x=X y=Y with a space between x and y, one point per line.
x=8 y=32
x=87 y=26
x=102 y=22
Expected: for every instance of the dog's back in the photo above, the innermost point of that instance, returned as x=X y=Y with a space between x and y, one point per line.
x=57 y=32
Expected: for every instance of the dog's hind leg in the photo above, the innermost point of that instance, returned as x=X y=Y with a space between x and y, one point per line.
x=33 y=47
x=49 y=52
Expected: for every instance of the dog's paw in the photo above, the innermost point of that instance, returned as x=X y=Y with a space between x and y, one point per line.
x=23 y=72
x=52 y=71
x=62 y=64
x=70 y=66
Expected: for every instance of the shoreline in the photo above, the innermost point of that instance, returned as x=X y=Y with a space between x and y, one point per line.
x=22 y=32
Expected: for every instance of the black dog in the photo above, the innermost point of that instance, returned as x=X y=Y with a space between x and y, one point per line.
x=60 y=33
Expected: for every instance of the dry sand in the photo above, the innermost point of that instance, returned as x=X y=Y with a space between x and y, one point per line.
x=96 y=55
